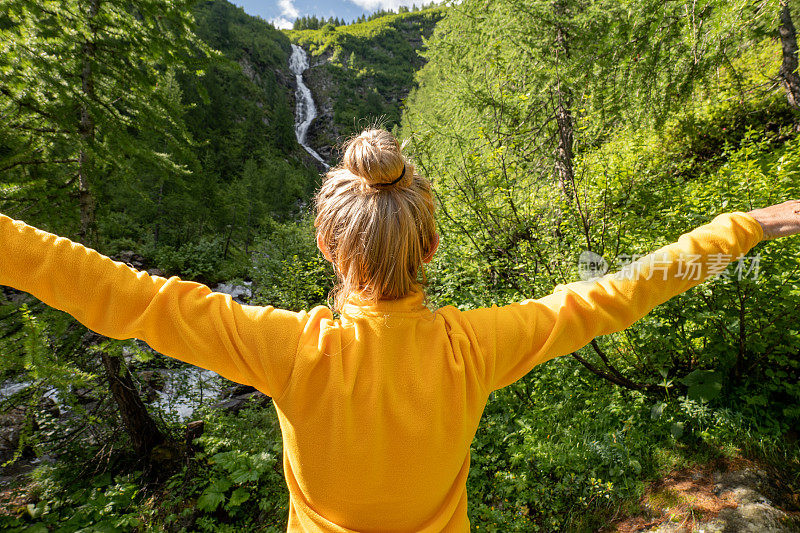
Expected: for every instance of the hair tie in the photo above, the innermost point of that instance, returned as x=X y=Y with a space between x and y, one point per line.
x=391 y=182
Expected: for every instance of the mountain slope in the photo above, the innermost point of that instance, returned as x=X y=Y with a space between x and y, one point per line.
x=362 y=73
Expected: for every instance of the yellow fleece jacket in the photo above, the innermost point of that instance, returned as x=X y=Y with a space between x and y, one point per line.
x=377 y=408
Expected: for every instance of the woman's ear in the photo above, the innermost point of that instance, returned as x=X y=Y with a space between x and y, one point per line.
x=322 y=248
x=432 y=251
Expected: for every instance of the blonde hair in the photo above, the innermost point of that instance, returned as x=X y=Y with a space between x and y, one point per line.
x=376 y=218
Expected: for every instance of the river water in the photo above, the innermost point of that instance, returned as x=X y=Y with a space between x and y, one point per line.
x=305 y=111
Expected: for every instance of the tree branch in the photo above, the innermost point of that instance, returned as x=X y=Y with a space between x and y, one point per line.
x=38 y=162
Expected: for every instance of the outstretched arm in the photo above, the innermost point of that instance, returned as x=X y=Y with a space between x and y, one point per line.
x=779 y=220
x=519 y=336
x=181 y=319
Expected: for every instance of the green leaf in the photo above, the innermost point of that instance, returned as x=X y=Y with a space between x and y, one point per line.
x=704 y=385
x=657 y=410
x=243 y=476
x=210 y=500
x=238 y=497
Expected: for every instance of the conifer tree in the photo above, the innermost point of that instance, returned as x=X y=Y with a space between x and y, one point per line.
x=80 y=81
x=788 y=71
x=502 y=94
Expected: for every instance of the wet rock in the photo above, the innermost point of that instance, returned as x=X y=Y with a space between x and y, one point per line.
x=14 y=296
x=12 y=424
x=85 y=395
x=236 y=390
x=184 y=390
x=151 y=384
x=130 y=257
x=240 y=293
x=236 y=403
x=193 y=430
x=153 y=379
x=48 y=406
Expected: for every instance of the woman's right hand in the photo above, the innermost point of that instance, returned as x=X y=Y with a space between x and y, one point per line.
x=779 y=220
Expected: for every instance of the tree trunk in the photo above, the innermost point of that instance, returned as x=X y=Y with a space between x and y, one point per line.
x=230 y=235
x=249 y=226
x=788 y=72
x=143 y=431
x=564 y=155
x=86 y=129
x=562 y=100
x=159 y=213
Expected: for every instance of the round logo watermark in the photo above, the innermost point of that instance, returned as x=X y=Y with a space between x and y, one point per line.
x=591 y=265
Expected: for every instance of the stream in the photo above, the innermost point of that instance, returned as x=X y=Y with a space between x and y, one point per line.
x=305 y=111
x=179 y=391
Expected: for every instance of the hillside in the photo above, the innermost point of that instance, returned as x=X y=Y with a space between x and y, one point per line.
x=361 y=73
x=578 y=137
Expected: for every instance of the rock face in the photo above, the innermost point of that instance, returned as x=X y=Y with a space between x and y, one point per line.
x=360 y=77
x=324 y=134
x=255 y=73
x=754 y=494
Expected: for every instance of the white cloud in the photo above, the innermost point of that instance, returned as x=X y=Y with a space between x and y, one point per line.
x=287 y=9
x=386 y=4
x=282 y=23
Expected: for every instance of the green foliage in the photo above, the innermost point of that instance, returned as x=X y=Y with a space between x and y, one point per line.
x=195 y=260
x=99 y=503
x=96 y=101
x=179 y=143
x=237 y=479
x=656 y=151
x=630 y=186
x=314 y=23
x=703 y=385
x=367 y=68
x=245 y=162
x=289 y=271
x=41 y=351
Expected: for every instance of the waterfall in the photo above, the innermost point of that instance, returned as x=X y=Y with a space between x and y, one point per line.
x=305 y=111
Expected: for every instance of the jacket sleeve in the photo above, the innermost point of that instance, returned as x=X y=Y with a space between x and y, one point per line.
x=517 y=337
x=180 y=319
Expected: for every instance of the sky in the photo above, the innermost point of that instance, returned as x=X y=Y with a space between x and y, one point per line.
x=283 y=12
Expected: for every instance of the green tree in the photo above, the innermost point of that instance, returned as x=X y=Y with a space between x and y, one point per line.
x=515 y=94
x=80 y=81
x=788 y=71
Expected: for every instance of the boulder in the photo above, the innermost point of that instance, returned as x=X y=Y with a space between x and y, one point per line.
x=236 y=403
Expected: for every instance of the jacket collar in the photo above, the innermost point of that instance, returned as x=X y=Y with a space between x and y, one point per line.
x=412 y=303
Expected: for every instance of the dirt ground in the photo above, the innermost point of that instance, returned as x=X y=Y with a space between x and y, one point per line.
x=726 y=496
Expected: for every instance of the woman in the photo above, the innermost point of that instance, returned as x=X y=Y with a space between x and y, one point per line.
x=377 y=408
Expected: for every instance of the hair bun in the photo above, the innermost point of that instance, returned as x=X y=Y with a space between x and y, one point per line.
x=376 y=157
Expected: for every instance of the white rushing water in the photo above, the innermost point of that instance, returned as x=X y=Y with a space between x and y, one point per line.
x=240 y=293
x=9 y=388
x=305 y=111
x=186 y=389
